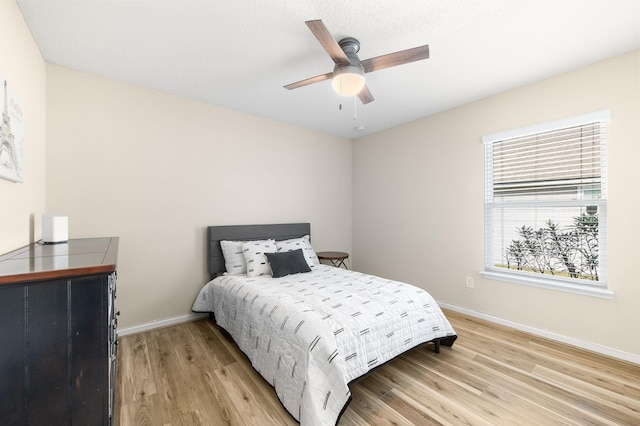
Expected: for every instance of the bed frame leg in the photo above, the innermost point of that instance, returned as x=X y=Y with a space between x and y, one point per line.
x=436 y=347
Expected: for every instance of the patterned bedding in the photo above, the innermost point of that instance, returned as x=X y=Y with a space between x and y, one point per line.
x=310 y=334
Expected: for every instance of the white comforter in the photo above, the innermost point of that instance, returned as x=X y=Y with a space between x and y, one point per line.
x=310 y=334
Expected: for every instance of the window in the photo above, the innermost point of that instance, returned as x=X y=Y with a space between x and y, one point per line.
x=546 y=205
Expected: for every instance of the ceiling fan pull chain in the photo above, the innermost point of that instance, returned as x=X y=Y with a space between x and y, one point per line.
x=355 y=108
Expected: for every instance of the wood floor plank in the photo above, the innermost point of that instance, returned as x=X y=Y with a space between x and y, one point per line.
x=470 y=405
x=249 y=402
x=488 y=396
x=136 y=380
x=545 y=394
x=148 y=410
x=595 y=370
x=212 y=343
x=373 y=410
x=414 y=411
x=351 y=418
x=194 y=374
x=619 y=408
x=598 y=366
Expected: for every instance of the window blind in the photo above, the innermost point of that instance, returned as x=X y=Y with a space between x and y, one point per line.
x=562 y=162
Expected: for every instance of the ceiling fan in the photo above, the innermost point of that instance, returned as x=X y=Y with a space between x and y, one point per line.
x=348 y=73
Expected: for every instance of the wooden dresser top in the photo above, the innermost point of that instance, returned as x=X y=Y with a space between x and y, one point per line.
x=37 y=262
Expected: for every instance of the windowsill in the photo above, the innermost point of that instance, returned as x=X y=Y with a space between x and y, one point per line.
x=551 y=284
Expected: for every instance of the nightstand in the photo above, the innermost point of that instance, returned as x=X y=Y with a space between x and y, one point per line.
x=337 y=258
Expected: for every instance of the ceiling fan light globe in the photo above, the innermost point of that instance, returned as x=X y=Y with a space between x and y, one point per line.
x=348 y=80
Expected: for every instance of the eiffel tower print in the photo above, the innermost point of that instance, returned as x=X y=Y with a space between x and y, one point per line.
x=11 y=165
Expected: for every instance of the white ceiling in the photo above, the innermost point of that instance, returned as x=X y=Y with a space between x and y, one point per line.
x=239 y=53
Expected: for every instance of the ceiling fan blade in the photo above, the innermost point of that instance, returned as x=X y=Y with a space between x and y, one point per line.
x=365 y=95
x=328 y=42
x=308 y=81
x=398 y=58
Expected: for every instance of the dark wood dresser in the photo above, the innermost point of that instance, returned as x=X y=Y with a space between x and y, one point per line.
x=58 y=340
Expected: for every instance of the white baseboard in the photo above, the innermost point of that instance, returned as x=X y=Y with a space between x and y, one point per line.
x=594 y=347
x=160 y=323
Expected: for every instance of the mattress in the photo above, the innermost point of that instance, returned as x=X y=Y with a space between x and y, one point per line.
x=311 y=334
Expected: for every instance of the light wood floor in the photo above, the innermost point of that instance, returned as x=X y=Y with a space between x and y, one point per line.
x=191 y=374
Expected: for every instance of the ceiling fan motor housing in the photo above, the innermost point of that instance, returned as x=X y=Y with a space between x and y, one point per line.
x=349 y=45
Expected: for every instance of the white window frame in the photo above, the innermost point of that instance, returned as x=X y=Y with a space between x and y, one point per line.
x=597 y=289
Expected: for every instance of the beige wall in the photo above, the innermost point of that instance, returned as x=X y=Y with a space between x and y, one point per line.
x=418 y=204
x=22 y=204
x=156 y=169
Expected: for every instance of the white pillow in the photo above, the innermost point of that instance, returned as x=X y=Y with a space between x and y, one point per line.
x=300 y=243
x=254 y=256
x=233 y=257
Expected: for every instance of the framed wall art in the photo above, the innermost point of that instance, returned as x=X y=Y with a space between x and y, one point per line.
x=11 y=134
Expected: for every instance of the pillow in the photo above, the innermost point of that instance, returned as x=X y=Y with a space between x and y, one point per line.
x=287 y=263
x=233 y=257
x=254 y=256
x=300 y=243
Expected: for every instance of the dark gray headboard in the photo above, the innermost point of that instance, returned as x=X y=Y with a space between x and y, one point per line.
x=283 y=231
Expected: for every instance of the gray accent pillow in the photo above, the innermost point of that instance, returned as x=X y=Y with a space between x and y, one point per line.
x=287 y=263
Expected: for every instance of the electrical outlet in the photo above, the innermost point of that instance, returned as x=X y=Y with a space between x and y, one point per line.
x=469 y=282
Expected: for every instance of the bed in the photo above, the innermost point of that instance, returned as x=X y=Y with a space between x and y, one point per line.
x=310 y=329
